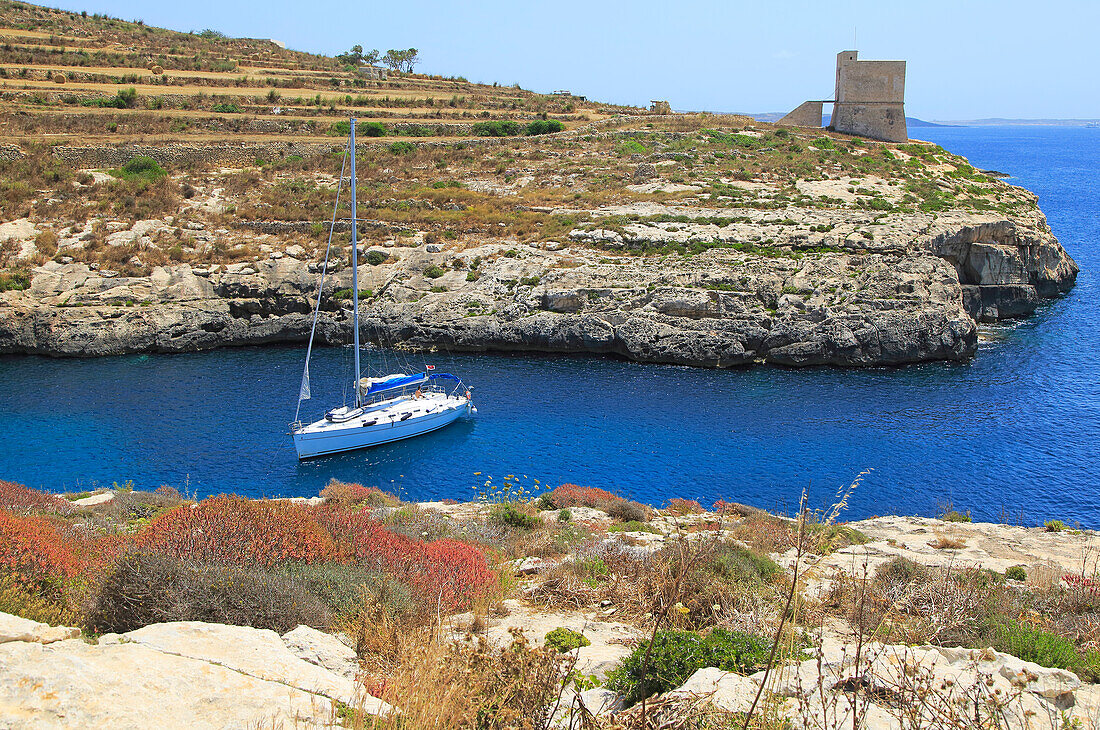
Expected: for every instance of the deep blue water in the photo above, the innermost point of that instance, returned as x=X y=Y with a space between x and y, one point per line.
x=1016 y=429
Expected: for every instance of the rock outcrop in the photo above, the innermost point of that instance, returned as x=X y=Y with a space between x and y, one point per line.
x=883 y=687
x=172 y=675
x=822 y=289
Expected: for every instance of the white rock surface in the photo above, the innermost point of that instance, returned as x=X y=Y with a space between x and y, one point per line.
x=185 y=675
x=725 y=690
x=324 y=650
x=71 y=684
x=15 y=628
x=259 y=653
x=94 y=499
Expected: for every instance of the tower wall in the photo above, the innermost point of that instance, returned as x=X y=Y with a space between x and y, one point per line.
x=870 y=98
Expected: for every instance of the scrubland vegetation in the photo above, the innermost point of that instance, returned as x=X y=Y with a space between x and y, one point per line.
x=714 y=587
x=474 y=162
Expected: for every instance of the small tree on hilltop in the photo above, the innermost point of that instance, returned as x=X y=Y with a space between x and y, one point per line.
x=392 y=60
x=372 y=56
x=410 y=59
x=352 y=57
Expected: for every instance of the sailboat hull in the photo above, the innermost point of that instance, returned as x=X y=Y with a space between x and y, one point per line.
x=379 y=427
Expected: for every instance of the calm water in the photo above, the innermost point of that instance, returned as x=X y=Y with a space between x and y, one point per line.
x=1017 y=429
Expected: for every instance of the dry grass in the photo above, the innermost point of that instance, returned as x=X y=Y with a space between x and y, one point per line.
x=469 y=684
x=947 y=543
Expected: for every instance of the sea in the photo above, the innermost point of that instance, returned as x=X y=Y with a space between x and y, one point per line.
x=1012 y=435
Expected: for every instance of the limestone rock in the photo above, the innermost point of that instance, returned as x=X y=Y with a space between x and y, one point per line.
x=71 y=684
x=324 y=650
x=826 y=295
x=94 y=499
x=725 y=690
x=259 y=653
x=16 y=628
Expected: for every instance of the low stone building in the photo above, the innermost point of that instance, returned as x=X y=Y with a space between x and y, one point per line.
x=660 y=107
x=868 y=100
x=375 y=73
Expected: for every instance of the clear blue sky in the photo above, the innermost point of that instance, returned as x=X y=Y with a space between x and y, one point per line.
x=965 y=59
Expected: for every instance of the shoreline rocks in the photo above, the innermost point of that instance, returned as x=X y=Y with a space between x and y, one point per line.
x=912 y=294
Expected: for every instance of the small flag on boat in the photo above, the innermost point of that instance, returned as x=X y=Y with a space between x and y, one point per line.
x=303 y=393
x=429 y=367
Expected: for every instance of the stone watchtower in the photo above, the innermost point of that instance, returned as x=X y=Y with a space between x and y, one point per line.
x=869 y=100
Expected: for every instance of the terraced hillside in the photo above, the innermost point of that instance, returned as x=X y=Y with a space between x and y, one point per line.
x=61 y=74
x=176 y=210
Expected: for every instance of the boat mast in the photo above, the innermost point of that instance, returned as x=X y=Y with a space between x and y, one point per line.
x=355 y=267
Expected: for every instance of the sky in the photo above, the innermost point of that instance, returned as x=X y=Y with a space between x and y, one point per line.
x=965 y=59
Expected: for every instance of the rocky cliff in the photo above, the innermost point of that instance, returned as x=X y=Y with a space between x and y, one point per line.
x=912 y=292
x=713 y=247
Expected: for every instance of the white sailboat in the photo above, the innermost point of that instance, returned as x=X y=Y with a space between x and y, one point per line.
x=388 y=408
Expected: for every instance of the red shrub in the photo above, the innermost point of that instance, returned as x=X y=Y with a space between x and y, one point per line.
x=352 y=493
x=445 y=573
x=22 y=500
x=236 y=530
x=34 y=548
x=573 y=495
x=358 y=537
x=233 y=530
x=451 y=573
x=678 y=506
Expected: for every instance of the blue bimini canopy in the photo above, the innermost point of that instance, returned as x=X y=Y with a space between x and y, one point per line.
x=396 y=382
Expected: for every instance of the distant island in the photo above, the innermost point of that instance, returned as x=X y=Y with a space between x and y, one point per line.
x=1003 y=122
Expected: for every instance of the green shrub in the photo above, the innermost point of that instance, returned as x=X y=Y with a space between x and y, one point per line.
x=544 y=126
x=141 y=168
x=124 y=99
x=676 y=655
x=341 y=586
x=562 y=640
x=373 y=129
x=346 y=294
x=734 y=562
x=631 y=147
x=15 y=281
x=226 y=108
x=374 y=258
x=434 y=272
x=510 y=253
x=1054 y=526
x=632 y=526
x=508 y=513
x=340 y=129
x=1016 y=572
x=564 y=515
x=402 y=147
x=22 y=598
x=496 y=128
x=1046 y=650
x=529 y=281
x=473 y=276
